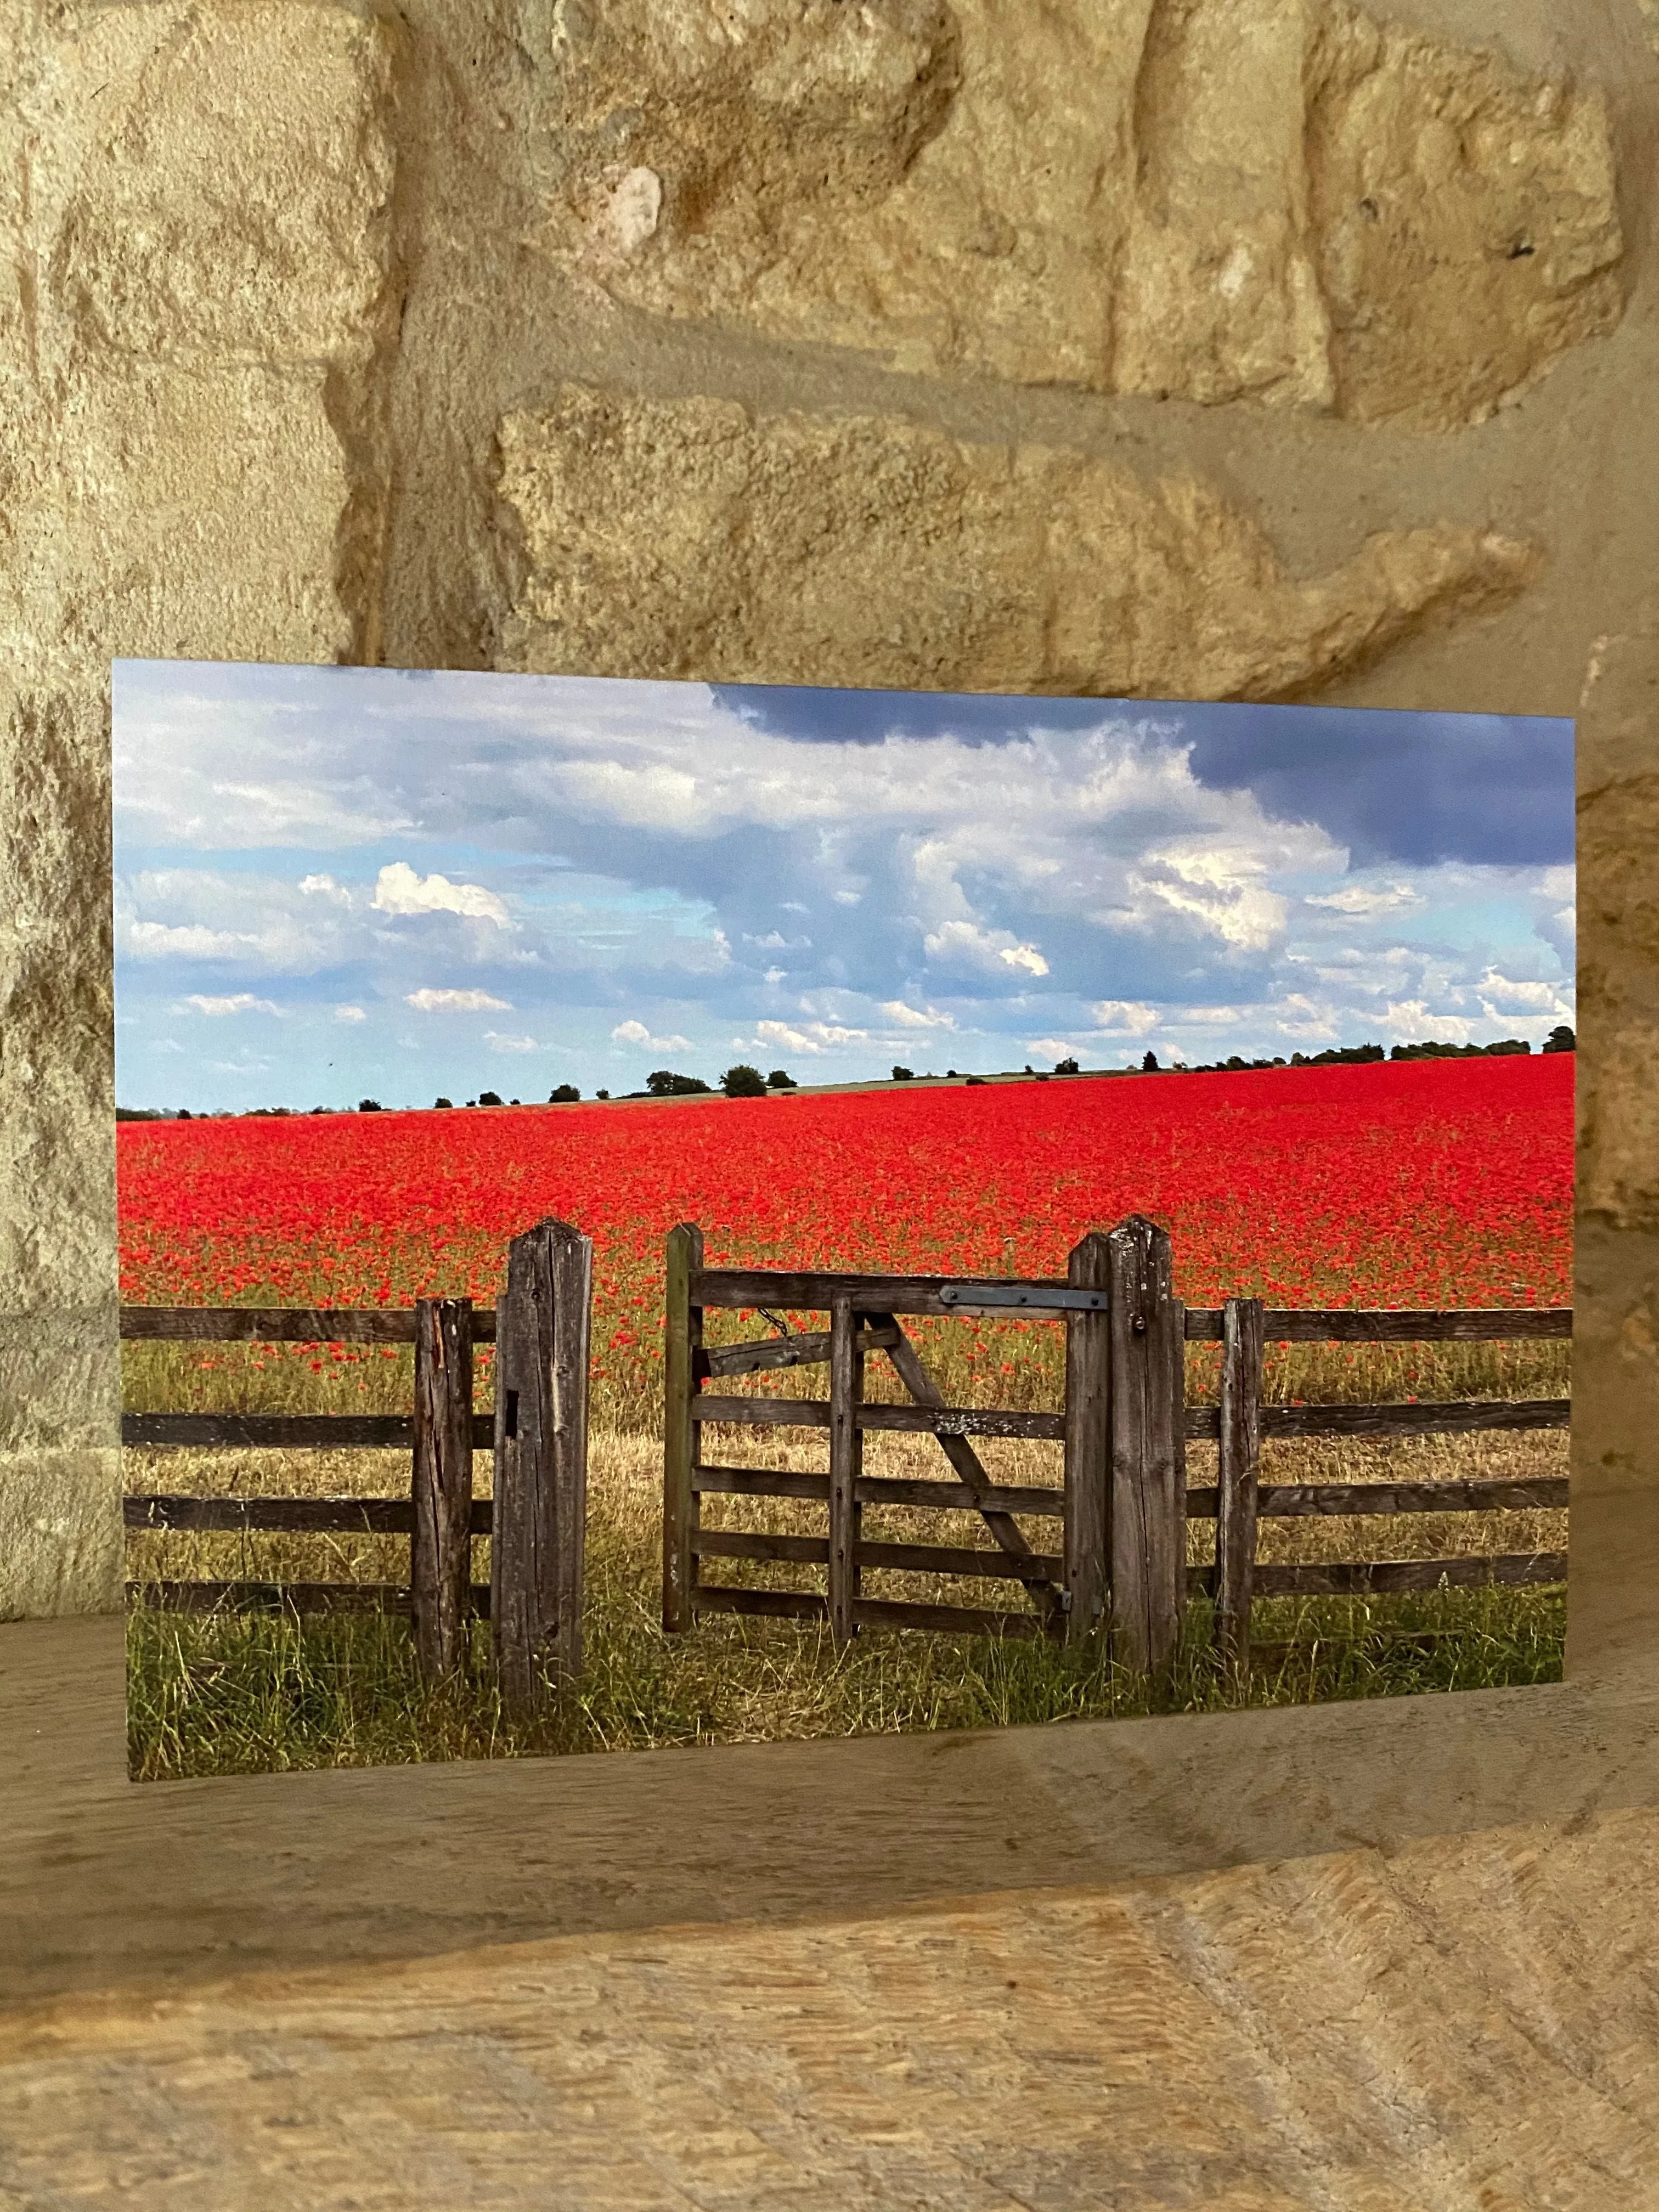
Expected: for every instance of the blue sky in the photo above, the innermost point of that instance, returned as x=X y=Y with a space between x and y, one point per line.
x=333 y=883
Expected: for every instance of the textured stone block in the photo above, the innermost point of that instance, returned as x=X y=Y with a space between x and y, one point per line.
x=1276 y=200
x=690 y=538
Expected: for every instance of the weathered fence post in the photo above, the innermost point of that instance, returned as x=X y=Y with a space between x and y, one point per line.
x=845 y=1460
x=682 y=1322
x=441 y=1483
x=1088 y=1443
x=1239 y=1466
x=541 y=1327
x=1148 y=1514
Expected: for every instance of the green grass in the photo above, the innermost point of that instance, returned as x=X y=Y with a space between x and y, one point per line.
x=243 y=1694
x=217 y=1695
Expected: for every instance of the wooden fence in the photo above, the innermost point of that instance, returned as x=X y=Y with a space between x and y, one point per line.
x=1124 y=1504
x=537 y=1433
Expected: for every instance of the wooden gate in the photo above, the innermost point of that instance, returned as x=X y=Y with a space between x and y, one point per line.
x=1122 y=1506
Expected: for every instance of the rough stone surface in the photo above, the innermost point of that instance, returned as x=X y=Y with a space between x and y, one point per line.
x=1465 y=2025
x=1027 y=1967
x=689 y=539
x=197 y=223
x=297 y=296
x=1274 y=200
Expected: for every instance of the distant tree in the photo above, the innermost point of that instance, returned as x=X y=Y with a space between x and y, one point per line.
x=516 y=1102
x=564 y=1094
x=489 y=1098
x=950 y=1075
x=663 y=1083
x=976 y=1079
x=1559 y=1039
x=443 y=1101
x=903 y=1074
x=1066 y=1067
x=1149 y=1066
x=779 y=1079
x=368 y=1105
x=602 y=1094
x=743 y=1082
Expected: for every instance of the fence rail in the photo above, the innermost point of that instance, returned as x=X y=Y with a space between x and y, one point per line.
x=284 y=1324
x=537 y=1435
x=1124 y=1502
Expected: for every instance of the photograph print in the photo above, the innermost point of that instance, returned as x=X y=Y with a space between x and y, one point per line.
x=1258 y=1019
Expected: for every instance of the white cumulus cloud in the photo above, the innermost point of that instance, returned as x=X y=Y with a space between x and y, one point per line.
x=1504 y=994
x=1355 y=900
x=810 y=1037
x=349 y=1014
x=636 y=1033
x=498 y=1042
x=968 y=941
x=240 y=1002
x=916 y=1018
x=429 y=1001
x=1126 y=1017
x=399 y=890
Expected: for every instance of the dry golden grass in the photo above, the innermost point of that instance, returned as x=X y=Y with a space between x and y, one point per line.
x=218 y=1694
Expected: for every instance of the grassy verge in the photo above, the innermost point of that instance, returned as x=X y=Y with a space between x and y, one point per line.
x=232 y=1695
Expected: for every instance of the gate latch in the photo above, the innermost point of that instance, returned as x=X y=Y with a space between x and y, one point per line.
x=1022 y=1297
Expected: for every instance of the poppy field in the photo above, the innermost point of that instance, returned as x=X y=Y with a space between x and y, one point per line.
x=1424 y=1183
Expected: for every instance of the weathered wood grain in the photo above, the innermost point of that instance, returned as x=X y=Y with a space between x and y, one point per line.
x=1445 y=1417
x=284 y=1324
x=541 y=1451
x=998 y=1497
x=1391 y=1325
x=758 y=1482
x=759 y=1544
x=1239 y=1463
x=947 y=1620
x=784 y=1290
x=912 y=1371
x=903 y=1420
x=441 y=1483
x=1149 y=1486
x=269 y=1431
x=955 y=1560
x=1548 y=1493
x=360 y=1517
x=809 y=1349
x=1087 y=1431
x=681 y=1344
x=872 y=1612
x=846 y=1464
x=1363 y=1578
x=279 y=1597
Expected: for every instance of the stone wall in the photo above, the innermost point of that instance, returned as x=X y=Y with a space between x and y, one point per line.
x=1256 y=349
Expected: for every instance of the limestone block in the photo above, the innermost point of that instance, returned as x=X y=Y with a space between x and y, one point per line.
x=1618 y=939
x=1277 y=200
x=198 y=210
x=689 y=538
x=1452 y=201
x=215 y=179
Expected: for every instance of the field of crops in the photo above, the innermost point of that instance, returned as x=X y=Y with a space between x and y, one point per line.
x=1423 y=1183
x=1416 y=1184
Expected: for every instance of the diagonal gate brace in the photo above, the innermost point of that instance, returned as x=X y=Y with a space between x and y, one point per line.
x=968 y=1464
